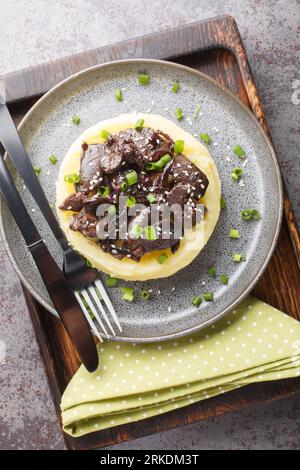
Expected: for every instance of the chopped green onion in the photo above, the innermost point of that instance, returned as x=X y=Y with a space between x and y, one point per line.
x=145 y=294
x=162 y=258
x=238 y=257
x=118 y=94
x=151 y=198
x=206 y=138
x=128 y=293
x=37 y=169
x=223 y=202
x=139 y=124
x=88 y=308
x=124 y=186
x=112 y=210
x=239 y=151
x=255 y=215
x=178 y=146
x=111 y=282
x=197 y=111
x=212 y=271
x=136 y=231
x=176 y=87
x=88 y=263
x=53 y=159
x=130 y=201
x=150 y=233
x=179 y=114
x=159 y=164
x=224 y=279
x=234 y=233
x=72 y=178
x=105 y=134
x=131 y=178
x=196 y=300
x=103 y=191
x=208 y=296
x=144 y=79
x=246 y=214
x=76 y=119
x=236 y=173
x=98 y=293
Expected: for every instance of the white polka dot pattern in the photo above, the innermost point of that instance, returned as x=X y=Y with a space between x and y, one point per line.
x=254 y=343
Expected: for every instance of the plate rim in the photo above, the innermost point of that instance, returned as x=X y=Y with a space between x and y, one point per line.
x=224 y=312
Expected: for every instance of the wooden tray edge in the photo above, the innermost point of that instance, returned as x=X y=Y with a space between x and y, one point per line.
x=236 y=46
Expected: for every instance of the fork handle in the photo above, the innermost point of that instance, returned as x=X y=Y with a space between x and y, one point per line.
x=17 y=207
x=12 y=143
x=61 y=294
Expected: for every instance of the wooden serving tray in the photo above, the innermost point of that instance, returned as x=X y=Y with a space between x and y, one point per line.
x=215 y=47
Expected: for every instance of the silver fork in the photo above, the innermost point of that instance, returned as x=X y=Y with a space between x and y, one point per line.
x=84 y=280
x=93 y=300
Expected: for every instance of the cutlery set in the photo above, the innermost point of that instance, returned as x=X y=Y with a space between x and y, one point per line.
x=76 y=291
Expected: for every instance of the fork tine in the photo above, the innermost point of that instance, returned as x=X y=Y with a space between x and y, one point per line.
x=108 y=303
x=87 y=316
x=93 y=292
x=89 y=301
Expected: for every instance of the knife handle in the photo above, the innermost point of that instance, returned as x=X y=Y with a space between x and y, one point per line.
x=12 y=143
x=67 y=306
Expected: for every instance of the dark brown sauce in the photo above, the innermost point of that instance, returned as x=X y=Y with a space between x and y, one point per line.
x=103 y=170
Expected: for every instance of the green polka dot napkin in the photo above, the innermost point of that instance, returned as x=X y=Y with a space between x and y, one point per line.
x=253 y=343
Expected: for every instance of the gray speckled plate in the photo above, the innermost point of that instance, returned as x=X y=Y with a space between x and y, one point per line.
x=47 y=128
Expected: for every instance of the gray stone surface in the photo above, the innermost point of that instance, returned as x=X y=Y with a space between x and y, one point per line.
x=38 y=30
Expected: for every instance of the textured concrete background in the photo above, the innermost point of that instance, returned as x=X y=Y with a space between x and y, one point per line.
x=39 y=30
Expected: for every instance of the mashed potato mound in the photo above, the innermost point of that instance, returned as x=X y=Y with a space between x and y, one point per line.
x=190 y=246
